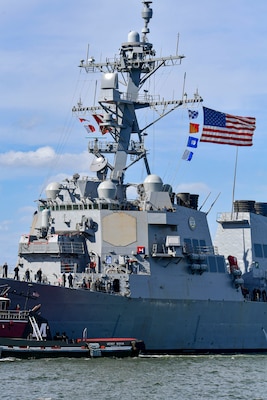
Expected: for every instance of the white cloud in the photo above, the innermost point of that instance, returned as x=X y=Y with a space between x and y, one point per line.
x=193 y=187
x=37 y=158
x=42 y=157
x=4 y=225
x=44 y=163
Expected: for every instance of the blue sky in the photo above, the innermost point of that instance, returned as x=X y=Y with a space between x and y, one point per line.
x=42 y=42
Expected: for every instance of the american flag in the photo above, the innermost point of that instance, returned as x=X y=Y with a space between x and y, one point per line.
x=227 y=129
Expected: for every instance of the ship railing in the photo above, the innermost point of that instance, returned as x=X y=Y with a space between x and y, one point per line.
x=231 y=216
x=14 y=315
x=38 y=248
x=71 y=248
x=102 y=145
x=52 y=248
x=69 y=268
x=207 y=250
x=142 y=98
x=112 y=147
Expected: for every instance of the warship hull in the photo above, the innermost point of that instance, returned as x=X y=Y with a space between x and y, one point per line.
x=171 y=326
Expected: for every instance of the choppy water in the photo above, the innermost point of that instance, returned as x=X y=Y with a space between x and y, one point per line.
x=164 y=377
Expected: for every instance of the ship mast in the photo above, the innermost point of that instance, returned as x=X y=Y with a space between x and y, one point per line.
x=136 y=63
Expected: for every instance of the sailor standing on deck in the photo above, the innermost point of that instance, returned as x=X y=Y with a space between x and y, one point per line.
x=16 y=270
x=5 y=268
x=39 y=275
x=27 y=275
x=70 y=278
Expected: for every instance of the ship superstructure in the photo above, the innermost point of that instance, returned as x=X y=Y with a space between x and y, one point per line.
x=82 y=221
x=243 y=232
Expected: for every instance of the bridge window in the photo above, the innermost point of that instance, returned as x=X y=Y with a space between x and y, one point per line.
x=195 y=245
x=212 y=264
x=2 y=305
x=265 y=250
x=258 y=250
x=202 y=243
x=221 y=264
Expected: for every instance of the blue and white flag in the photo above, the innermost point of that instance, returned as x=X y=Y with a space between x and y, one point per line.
x=187 y=156
x=192 y=114
x=192 y=142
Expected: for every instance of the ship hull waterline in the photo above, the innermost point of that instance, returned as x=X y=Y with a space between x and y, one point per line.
x=166 y=326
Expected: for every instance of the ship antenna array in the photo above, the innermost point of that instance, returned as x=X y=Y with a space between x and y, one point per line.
x=177 y=44
x=146 y=15
x=87 y=54
x=200 y=208
x=184 y=95
x=213 y=204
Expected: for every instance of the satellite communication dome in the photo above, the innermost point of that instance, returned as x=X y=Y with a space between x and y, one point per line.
x=167 y=188
x=98 y=164
x=106 y=190
x=133 y=37
x=52 y=190
x=153 y=183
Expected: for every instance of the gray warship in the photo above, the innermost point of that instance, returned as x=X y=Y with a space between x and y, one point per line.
x=115 y=267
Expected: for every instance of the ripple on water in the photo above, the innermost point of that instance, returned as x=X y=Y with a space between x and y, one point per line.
x=145 y=378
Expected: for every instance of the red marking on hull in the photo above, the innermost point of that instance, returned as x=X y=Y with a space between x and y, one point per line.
x=12 y=329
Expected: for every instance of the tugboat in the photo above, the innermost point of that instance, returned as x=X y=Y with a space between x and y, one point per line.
x=17 y=323
x=142 y=265
x=93 y=348
x=25 y=334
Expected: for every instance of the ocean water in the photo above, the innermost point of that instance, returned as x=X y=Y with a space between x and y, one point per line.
x=163 y=377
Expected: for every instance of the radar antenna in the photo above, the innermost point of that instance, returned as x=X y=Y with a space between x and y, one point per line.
x=146 y=15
